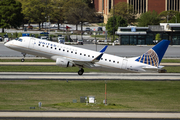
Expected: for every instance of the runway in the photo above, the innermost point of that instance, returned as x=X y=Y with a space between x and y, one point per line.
x=88 y=115
x=88 y=76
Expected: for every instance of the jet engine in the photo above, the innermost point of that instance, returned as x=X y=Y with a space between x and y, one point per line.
x=63 y=63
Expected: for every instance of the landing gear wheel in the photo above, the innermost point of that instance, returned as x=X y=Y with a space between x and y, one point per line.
x=24 y=54
x=81 y=71
x=22 y=60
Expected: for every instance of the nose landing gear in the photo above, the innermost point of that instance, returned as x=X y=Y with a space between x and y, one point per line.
x=24 y=55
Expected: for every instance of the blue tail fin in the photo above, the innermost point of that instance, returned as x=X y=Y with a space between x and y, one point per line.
x=154 y=55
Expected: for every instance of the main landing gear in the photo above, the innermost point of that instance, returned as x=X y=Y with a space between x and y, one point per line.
x=81 y=71
x=24 y=55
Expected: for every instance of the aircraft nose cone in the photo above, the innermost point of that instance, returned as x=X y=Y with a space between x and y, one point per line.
x=7 y=44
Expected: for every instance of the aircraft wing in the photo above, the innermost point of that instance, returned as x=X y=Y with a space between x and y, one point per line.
x=87 y=64
x=91 y=63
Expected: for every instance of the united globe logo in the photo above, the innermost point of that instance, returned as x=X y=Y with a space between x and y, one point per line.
x=150 y=58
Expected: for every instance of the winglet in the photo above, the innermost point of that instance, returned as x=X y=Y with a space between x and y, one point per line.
x=104 y=49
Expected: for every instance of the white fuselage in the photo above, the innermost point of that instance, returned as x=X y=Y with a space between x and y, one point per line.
x=53 y=50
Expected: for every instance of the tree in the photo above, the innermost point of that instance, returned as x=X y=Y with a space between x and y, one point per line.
x=57 y=11
x=148 y=18
x=36 y=10
x=76 y=11
x=158 y=37
x=10 y=14
x=124 y=10
x=175 y=19
x=167 y=15
x=118 y=22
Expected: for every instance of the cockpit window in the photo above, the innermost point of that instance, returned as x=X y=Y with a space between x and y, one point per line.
x=20 y=40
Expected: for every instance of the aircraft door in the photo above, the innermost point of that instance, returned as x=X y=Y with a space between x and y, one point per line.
x=124 y=64
x=32 y=43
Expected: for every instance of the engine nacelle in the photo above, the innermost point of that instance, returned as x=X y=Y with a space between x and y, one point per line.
x=63 y=63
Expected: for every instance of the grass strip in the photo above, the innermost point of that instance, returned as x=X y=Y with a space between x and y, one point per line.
x=59 y=95
x=170 y=69
x=170 y=61
x=42 y=69
x=26 y=60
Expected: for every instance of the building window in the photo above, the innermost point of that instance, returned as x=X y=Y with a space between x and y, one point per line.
x=102 y=4
x=109 y=5
x=139 y=6
x=173 y=5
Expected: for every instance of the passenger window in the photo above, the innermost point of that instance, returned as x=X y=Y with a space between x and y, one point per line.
x=88 y=55
x=105 y=59
x=59 y=48
x=101 y=58
x=118 y=62
x=80 y=53
x=75 y=52
x=92 y=56
x=71 y=51
x=84 y=54
x=113 y=61
x=20 y=40
x=109 y=60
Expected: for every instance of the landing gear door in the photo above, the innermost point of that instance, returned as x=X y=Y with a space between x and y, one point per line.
x=124 y=64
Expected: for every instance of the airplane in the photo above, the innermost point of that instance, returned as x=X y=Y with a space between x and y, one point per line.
x=70 y=56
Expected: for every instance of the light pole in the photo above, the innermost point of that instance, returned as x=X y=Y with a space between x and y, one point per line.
x=176 y=18
x=105 y=92
x=113 y=20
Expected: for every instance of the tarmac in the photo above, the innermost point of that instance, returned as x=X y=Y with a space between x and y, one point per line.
x=89 y=76
x=139 y=115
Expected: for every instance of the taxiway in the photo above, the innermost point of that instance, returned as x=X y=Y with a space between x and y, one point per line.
x=88 y=76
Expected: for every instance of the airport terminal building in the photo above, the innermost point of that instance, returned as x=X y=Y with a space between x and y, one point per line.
x=133 y=35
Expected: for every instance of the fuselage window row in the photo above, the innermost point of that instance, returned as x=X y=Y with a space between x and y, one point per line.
x=80 y=53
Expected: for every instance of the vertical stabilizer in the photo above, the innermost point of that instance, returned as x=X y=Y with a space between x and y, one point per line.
x=154 y=55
